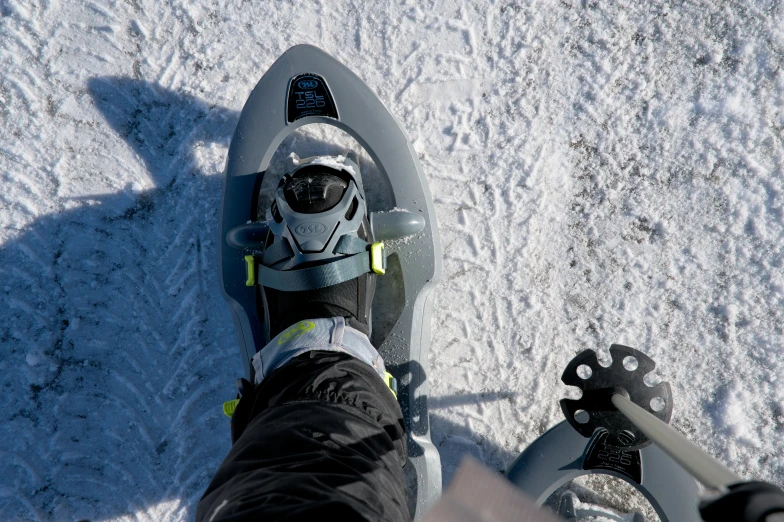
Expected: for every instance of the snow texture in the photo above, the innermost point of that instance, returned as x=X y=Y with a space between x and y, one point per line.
x=602 y=172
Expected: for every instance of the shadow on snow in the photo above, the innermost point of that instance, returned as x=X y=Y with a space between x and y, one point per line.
x=118 y=349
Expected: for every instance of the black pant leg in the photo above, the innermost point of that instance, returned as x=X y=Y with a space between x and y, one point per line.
x=325 y=438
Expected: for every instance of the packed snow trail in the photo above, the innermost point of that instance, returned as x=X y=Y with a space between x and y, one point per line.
x=602 y=173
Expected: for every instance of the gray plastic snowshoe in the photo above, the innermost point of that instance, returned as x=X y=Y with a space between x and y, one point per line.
x=597 y=439
x=304 y=86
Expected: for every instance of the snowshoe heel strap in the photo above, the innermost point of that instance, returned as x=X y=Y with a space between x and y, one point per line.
x=350 y=245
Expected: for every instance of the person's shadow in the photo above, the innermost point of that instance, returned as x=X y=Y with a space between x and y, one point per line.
x=117 y=347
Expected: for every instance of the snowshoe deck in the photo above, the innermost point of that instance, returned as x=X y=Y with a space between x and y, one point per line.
x=304 y=86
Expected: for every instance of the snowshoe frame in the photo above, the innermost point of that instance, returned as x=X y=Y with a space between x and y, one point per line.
x=304 y=86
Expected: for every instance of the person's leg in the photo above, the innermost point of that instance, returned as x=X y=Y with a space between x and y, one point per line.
x=320 y=435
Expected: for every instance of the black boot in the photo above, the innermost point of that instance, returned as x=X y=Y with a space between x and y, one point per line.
x=316 y=189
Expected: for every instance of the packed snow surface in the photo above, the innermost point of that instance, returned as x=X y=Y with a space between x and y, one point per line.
x=602 y=172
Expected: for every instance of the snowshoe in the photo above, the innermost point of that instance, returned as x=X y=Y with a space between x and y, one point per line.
x=298 y=249
x=597 y=439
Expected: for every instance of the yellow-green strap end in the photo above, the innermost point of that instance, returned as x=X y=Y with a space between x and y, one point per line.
x=391 y=383
x=229 y=407
x=250 y=271
x=378 y=260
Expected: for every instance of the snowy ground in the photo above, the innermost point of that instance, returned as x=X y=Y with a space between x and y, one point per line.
x=602 y=171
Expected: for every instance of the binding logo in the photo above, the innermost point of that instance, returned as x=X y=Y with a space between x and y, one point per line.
x=310 y=229
x=307 y=84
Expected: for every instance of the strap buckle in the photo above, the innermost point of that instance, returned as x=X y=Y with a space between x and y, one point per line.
x=250 y=271
x=229 y=407
x=378 y=258
x=391 y=383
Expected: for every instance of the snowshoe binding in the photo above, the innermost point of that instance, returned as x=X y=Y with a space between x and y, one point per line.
x=320 y=243
x=320 y=246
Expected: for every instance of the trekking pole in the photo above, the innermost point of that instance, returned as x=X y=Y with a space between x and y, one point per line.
x=617 y=400
x=709 y=471
x=737 y=500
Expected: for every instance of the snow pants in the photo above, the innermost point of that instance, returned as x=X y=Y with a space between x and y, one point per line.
x=320 y=438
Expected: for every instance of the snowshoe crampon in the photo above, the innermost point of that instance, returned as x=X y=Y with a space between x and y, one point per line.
x=305 y=86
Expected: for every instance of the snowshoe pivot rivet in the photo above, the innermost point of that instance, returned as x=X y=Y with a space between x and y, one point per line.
x=624 y=376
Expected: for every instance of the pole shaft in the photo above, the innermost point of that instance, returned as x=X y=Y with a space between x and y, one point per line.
x=691 y=457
